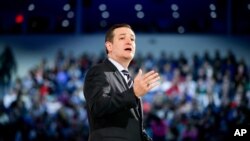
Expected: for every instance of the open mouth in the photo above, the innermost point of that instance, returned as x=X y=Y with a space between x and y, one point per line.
x=128 y=49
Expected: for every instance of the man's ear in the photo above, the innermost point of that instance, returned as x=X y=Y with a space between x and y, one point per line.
x=108 y=46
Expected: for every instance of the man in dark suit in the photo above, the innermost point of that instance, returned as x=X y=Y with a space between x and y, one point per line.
x=113 y=98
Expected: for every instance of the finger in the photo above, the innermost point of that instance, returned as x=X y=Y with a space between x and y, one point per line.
x=139 y=74
x=152 y=85
x=154 y=80
x=152 y=76
x=148 y=74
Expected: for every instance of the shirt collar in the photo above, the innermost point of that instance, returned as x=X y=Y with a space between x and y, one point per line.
x=117 y=65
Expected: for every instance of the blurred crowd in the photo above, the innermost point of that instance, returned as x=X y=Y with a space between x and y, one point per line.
x=202 y=97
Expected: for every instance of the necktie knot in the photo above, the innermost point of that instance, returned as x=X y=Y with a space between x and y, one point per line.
x=126 y=73
x=129 y=78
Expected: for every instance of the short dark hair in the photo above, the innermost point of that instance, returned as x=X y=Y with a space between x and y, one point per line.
x=110 y=32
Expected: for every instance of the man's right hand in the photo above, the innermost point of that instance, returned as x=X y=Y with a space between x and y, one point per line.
x=143 y=83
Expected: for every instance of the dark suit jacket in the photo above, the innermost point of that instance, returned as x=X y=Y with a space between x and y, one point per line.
x=114 y=112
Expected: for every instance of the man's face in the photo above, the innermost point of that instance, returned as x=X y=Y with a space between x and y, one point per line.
x=123 y=45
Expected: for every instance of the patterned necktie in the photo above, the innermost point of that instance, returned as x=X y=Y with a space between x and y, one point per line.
x=129 y=78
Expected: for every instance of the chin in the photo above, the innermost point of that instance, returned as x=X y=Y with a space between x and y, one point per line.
x=129 y=57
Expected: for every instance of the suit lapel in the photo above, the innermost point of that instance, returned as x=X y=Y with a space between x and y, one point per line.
x=116 y=73
x=120 y=79
x=136 y=112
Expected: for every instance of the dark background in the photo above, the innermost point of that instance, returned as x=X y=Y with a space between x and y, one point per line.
x=200 y=48
x=227 y=17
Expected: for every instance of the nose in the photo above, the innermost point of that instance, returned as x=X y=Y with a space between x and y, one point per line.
x=128 y=40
